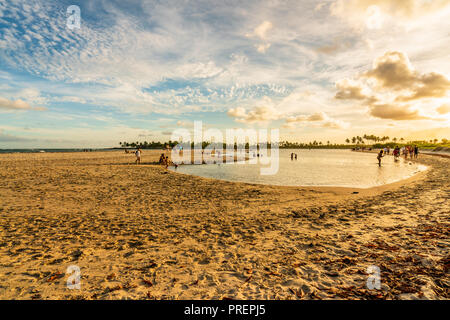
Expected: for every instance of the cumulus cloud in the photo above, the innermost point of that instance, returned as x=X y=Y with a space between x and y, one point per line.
x=350 y=90
x=431 y=85
x=318 y=119
x=257 y=114
x=391 y=85
x=14 y=104
x=393 y=112
x=393 y=71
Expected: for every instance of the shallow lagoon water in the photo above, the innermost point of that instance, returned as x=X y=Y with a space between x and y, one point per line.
x=316 y=167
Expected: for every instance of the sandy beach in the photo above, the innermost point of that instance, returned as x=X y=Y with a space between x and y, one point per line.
x=143 y=232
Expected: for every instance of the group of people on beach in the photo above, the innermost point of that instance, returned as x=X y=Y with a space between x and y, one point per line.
x=412 y=151
x=293 y=156
x=163 y=159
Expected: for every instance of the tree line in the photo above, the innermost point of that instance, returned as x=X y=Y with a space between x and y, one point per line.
x=357 y=141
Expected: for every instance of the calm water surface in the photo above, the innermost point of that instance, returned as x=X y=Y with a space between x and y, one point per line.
x=341 y=168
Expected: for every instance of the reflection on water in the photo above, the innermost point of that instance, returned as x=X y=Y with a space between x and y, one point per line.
x=341 y=168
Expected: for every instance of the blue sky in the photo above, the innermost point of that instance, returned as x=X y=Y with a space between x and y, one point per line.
x=137 y=70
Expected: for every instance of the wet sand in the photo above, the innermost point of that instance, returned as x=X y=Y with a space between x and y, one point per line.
x=143 y=232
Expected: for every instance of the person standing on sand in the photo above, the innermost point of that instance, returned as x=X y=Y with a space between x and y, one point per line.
x=380 y=155
x=292 y=156
x=416 y=152
x=138 y=156
x=295 y=156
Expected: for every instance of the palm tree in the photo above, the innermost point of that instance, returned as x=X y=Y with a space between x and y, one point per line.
x=347 y=140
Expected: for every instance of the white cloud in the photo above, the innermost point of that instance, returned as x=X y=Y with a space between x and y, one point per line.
x=318 y=116
x=14 y=104
x=318 y=119
x=393 y=89
x=262 y=30
x=260 y=114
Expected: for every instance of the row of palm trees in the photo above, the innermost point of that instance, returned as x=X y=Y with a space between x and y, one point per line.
x=312 y=144
x=148 y=145
x=283 y=144
x=375 y=139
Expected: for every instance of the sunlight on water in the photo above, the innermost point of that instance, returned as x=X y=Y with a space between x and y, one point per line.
x=341 y=168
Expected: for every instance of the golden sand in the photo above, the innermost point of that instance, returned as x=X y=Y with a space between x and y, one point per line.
x=142 y=232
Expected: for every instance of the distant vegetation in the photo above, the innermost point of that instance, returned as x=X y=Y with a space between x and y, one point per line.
x=365 y=141
x=148 y=145
x=381 y=142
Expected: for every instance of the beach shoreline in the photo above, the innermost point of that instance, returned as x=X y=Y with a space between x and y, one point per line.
x=144 y=232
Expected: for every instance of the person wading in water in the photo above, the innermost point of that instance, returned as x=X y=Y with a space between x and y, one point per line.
x=380 y=155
